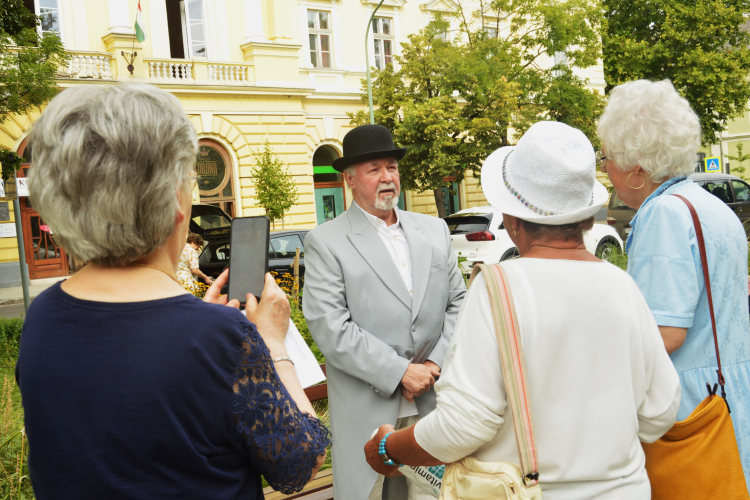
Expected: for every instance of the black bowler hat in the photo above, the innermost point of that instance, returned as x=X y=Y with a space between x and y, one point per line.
x=367 y=142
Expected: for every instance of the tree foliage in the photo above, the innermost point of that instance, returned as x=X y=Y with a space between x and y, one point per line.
x=453 y=102
x=275 y=188
x=29 y=61
x=740 y=170
x=698 y=44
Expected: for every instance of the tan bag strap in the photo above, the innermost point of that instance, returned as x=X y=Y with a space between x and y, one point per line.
x=513 y=366
x=707 y=280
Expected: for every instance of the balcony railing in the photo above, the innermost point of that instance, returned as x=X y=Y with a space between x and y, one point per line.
x=88 y=65
x=201 y=72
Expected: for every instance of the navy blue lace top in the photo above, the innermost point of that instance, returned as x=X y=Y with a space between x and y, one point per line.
x=171 y=398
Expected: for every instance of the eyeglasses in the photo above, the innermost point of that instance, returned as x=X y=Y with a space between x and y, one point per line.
x=601 y=160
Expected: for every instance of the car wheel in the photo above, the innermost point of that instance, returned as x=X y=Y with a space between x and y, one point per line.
x=606 y=247
x=510 y=254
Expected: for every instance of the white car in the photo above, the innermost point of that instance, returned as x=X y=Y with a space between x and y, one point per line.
x=478 y=236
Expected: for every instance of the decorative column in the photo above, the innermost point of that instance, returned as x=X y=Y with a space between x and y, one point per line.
x=254 y=22
x=121 y=38
x=119 y=17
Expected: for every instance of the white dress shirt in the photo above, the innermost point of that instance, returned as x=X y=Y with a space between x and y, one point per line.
x=599 y=380
x=398 y=248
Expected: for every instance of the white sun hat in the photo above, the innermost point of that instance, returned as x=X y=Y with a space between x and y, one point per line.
x=549 y=177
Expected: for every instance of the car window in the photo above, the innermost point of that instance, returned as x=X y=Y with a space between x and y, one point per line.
x=211 y=221
x=217 y=252
x=720 y=189
x=285 y=247
x=741 y=191
x=467 y=224
x=615 y=202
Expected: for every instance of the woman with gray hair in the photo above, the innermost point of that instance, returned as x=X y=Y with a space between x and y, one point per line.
x=650 y=137
x=133 y=388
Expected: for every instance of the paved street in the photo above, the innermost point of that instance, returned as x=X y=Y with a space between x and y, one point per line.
x=11 y=310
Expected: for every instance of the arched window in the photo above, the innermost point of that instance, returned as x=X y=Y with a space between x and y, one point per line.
x=330 y=196
x=215 y=175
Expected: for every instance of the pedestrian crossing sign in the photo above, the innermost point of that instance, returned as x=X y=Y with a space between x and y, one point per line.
x=713 y=164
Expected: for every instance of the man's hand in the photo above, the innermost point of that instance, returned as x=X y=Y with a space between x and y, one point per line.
x=434 y=370
x=419 y=378
x=213 y=294
x=373 y=457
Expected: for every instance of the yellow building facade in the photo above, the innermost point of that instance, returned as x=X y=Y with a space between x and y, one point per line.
x=246 y=72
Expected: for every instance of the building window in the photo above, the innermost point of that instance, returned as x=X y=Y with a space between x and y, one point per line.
x=49 y=15
x=491 y=32
x=194 y=25
x=382 y=30
x=186 y=22
x=319 y=28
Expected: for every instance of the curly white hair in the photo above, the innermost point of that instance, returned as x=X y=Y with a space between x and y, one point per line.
x=649 y=124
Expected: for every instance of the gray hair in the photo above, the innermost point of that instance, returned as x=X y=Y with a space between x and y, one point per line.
x=648 y=124
x=109 y=161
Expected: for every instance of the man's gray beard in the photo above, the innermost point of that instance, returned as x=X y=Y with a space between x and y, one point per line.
x=390 y=202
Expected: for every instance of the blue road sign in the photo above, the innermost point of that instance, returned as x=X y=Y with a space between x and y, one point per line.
x=713 y=164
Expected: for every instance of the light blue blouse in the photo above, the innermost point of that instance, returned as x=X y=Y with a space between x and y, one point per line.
x=664 y=260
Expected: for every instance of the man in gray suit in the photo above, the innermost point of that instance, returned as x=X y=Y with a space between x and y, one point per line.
x=382 y=292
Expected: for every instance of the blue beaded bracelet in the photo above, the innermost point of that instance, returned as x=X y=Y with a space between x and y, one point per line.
x=383 y=455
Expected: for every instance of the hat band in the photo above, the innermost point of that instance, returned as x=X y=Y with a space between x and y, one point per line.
x=523 y=200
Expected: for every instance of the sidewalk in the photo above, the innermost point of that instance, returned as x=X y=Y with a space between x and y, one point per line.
x=14 y=295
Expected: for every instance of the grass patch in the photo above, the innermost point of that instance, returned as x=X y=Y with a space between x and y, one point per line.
x=617 y=257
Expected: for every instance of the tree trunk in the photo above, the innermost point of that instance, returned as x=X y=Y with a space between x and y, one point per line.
x=439 y=202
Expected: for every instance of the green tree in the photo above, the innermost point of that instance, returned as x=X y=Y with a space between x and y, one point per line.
x=739 y=159
x=29 y=61
x=275 y=188
x=453 y=102
x=698 y=44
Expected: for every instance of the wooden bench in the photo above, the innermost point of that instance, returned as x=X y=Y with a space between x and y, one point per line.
x=320 y=488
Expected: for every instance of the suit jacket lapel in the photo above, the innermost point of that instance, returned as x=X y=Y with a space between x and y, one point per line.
x=367 y=242
x=420 y=249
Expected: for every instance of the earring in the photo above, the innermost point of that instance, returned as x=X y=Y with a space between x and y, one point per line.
x=515 y=233
x=639 y=187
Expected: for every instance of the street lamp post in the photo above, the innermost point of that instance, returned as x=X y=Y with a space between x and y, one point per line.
x=367 y=59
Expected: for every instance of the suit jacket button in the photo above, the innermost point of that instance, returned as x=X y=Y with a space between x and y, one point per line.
x=413 y=328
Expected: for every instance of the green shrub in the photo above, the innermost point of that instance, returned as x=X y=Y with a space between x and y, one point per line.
x=299 y=321
x=10 y=337
x=618 y=258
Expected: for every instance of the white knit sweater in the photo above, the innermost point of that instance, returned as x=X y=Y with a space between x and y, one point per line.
x=598 y=375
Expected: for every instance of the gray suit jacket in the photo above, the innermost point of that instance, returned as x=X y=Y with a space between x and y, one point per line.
x=363 y=320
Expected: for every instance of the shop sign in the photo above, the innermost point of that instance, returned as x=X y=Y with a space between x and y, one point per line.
x=211 y=170
x=22 y=186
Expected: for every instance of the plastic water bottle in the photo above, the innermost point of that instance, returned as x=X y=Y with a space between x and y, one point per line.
x=428 y=478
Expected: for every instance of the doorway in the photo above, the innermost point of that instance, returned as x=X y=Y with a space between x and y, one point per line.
x=330 y=196
x=215 y=175
x=44 y=257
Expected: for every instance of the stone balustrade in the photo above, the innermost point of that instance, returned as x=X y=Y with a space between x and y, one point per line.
x=88 y=65
x=171 y=70
x=197 y=72
x=231 y=74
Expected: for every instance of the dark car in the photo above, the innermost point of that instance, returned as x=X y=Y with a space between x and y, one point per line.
x=730 y=189
x=214 y=225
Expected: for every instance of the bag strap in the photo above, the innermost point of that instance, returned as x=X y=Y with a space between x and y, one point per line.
x=513 y=366
x=707 y=280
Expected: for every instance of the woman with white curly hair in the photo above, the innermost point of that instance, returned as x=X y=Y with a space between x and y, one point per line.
x=650 y=137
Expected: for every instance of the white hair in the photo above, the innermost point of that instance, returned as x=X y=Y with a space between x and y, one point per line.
x=109 y=161
x=648 y=124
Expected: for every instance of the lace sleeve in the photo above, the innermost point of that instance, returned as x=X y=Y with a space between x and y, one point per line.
x=282 y=442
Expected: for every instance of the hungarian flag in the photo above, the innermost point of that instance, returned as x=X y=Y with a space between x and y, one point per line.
x=140 y=35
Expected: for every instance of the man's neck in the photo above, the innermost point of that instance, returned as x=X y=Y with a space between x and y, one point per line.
x=387 y=216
